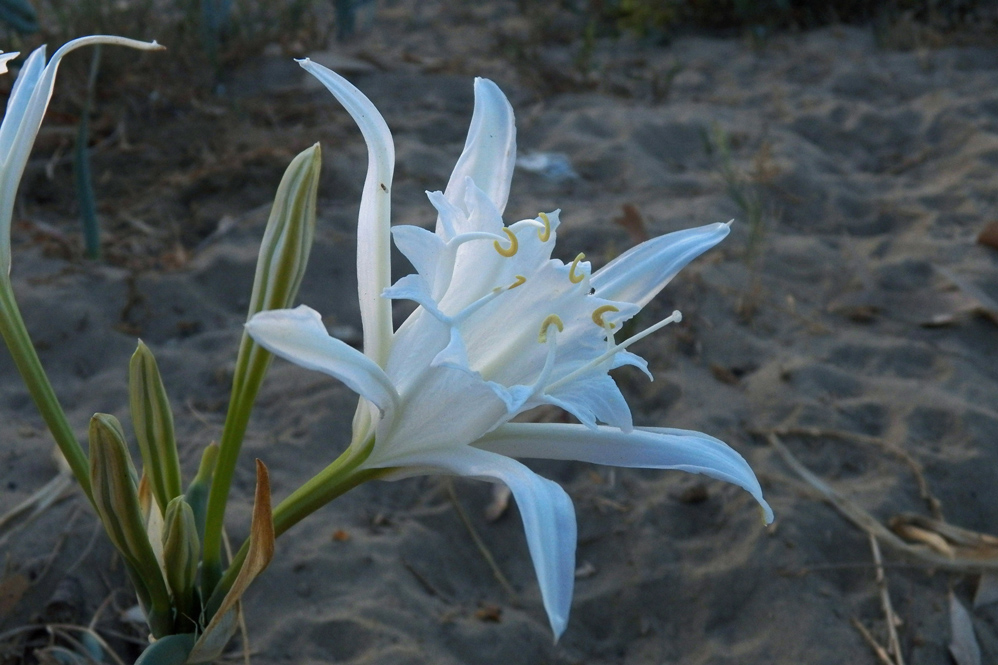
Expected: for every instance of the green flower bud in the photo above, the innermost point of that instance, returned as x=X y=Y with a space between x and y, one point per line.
x=197 y=491
x=287 y=240
x=153 y=423
x=113 y=481
x=181 y=553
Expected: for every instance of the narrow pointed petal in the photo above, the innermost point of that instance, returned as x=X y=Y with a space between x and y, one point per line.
x=423 y=248
x=643 y=448
x=25 y=110
x=373 y=228
x=490 y=150
x=638 y=274
x=298 y=335
x=547 y=513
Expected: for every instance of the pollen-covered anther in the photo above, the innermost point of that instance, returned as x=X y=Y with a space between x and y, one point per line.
x=514 y=244
x=551 y=320
x=545 y=233
x=598 y=316
x=572 y=277
x=520 y=280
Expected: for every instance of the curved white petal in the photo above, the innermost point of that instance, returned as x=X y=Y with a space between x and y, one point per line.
x=638 y=274
x=490 y=150
x=593 y=397
x=373 y=229
x=25 y=110
x=423 y=248
x=298 y=335
x=5 y=58
x=643 y=448
x=546 y=509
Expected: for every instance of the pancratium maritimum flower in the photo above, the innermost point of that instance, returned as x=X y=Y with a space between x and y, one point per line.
x=500 y=328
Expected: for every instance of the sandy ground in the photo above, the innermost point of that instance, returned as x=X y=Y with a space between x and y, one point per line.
x=873 y=171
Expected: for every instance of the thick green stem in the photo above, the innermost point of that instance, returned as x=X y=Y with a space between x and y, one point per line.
x=28 y=364
x=251 y=364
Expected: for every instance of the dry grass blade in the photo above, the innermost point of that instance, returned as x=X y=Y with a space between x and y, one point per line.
x=987 y=306
x=479 y=543
x=946 y=538
x=893 y=643
x=872 y=526
x=879 y=651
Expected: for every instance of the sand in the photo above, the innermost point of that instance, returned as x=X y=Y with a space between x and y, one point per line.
x=873 y=171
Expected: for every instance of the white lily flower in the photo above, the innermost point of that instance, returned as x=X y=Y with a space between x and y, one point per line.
x=501 y=328
x=29 y=98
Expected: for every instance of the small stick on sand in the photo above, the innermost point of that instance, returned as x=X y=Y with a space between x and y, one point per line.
x=486 y=554
x=893 y=644
x=872 y=526
x=879 y=651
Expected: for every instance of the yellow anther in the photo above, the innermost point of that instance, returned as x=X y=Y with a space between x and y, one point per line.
x=520 y=279
x=552 y=320
x=575 y=279
x=598 y=316
x=544 y=235
x=513 y=244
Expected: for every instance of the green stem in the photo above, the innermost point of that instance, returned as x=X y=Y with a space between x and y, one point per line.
x=15 y=334
x=251 y=367
x=335 y=480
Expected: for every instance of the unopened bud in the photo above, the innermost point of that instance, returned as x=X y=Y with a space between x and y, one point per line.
x=181 y=553
x=287 y=240
x=113 y=481
x=152 y=420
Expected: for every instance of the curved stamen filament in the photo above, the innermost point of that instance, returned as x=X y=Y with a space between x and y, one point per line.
x=598 y=316
x=675 y=317
x=551 y=320
x=514 y=244
x=545 y=234
x=572 y=277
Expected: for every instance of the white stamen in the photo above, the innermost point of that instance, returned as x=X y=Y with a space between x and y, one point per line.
x=675 y=317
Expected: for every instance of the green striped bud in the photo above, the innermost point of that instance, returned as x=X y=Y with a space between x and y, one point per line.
x=287 y=240
x=181 y=553
x=197 y=491
x=153 y=423
x=113 y=481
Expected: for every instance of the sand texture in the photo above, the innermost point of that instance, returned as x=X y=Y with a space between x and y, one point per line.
x=833 y=320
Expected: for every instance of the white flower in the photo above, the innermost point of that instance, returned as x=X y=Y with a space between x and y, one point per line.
x=29 y=98
x=501 y=328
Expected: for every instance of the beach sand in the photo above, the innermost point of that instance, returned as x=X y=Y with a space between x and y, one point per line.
x=832 y=319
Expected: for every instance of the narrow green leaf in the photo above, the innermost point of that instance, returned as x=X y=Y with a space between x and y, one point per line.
x=197 y=491
x=152 y=420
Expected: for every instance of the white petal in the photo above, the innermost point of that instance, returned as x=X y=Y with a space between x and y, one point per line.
x=423 y=248
x=373 y=227
x=634 y=360
x=25 y=110
x=413 y=287
x=299 y=336
x=593 y=397
x=638 y=274
x=547 y=513
x=490 y=150
x=5 y=58
x=643 y=448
